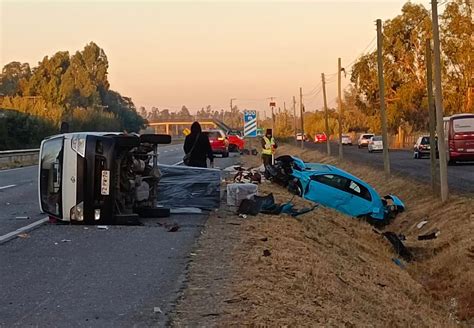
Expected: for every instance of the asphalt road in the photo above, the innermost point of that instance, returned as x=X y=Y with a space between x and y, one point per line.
x=77 y=276
x=460 y=177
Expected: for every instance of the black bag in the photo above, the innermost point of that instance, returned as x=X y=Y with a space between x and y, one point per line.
x=187 y=157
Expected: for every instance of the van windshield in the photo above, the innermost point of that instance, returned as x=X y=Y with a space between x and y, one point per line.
x=465 y=124
x=50 y=176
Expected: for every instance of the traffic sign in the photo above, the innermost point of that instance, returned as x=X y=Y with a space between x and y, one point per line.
x=250 y=123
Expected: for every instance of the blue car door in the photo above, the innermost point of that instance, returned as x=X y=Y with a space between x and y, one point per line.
x=328 y=190
x=359 y=201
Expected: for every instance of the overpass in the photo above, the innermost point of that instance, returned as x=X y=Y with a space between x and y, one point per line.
x=176 y=128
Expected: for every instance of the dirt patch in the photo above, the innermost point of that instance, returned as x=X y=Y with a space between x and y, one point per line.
x=327 y=269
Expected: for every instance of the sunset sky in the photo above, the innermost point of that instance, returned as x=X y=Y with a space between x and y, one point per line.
x=169 y=54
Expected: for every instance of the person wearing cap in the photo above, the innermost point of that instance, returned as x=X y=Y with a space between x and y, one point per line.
x=268 y=147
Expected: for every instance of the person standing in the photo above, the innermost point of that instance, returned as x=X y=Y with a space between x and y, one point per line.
x=268 y=147
x=198 y=147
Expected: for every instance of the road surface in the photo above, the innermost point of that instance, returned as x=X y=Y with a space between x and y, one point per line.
x=460 y=177
x=63 y=275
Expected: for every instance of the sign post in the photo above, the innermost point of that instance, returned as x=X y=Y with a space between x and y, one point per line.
x=250 y=123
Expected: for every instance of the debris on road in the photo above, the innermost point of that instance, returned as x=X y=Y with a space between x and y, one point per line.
x=237 y=192
x=22 y=217
x=66 y=241
x=102 y=227
x=266 y=252
x=157 y=309
x=173 y=228
x=430 y=235
x=24 y=235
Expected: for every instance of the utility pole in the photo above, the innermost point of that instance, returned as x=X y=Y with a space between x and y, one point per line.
x=443 y=163
x=272 y=106
x=386 y=158
x=302 y=120
x=431 y=114
x=326 y=120
x=294 y=118
x=339 y=69
x=231 y=105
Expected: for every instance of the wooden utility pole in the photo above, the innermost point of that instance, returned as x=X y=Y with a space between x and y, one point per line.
x=302 y=120
x=443 y=163
x=386 y=158
x=294 y=117
x=431 y=114
x=326 y=119
x=339 y=100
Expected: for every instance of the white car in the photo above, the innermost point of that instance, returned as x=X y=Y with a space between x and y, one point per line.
x=346 y=140
x=364 y=140
x=375 y=144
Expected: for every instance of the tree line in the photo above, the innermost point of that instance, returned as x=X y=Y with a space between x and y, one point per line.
x=72 y=88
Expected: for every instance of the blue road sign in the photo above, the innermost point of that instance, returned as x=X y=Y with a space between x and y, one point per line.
x=250 y=123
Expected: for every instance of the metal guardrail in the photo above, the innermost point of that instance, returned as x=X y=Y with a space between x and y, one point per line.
x=5 y=153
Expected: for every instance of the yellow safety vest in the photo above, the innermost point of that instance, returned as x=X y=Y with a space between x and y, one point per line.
x=269 y=143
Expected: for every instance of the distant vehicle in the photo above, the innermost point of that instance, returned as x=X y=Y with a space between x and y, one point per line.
x=236 y=141
x=219 y=142
x=320 y=137
x=422 y=147
x=301 y=136
x=375 y=144
x=459 y=137
x=346 y=140
x=364 y=139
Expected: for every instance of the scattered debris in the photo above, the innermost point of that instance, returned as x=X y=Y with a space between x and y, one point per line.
x=173 y=228
x=266 y=252
x=236 y=192
x=157 y=309
x=264 y=239
x=398 y=246
x=22 y=217
x=24 y=235
x=430 y=235
x=421 y=224
x=243 y=216
x=66 y=240
x=398 y=262
x=103 y=227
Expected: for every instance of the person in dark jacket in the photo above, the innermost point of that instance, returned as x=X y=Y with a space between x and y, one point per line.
x=197 y=143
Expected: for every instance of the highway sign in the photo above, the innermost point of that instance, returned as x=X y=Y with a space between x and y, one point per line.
x=250 y=123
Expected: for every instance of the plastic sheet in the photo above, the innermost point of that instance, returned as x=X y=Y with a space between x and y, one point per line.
x=189 y=186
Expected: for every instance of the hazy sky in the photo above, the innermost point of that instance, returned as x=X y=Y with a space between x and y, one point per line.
x=169 y=54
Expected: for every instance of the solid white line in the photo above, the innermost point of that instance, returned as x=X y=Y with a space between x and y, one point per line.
x=13 y=234
x=6 y=187
x=179 y=163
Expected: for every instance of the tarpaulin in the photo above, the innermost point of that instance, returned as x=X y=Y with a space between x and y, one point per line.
x=184 y=186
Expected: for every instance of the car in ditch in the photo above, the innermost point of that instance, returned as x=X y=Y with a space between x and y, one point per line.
x=335 y=188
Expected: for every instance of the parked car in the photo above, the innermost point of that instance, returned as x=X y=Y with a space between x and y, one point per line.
x=219 y=142
x=346 y=140
x=332 y=187
x=236 y=141
x=364 y=139
x=320 y=137
x=301 y=136
x=375 y=144
x=422 y=147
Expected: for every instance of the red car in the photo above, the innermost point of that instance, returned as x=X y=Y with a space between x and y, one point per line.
x=320 y=137
x=219 y=142
x=236 y=142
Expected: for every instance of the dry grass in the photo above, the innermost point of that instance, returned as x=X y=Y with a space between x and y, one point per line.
x=326 y=269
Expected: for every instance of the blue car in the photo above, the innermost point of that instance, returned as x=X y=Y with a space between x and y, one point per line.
x=332 y=187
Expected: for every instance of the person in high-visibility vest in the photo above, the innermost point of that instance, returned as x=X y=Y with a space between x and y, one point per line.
x=268 y=147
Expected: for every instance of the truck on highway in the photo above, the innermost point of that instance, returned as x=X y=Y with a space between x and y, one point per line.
x=100 y=177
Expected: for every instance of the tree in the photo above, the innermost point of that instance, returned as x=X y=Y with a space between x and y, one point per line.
x=13 y=78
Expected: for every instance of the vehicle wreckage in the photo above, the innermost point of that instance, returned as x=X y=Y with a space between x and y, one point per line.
x=114 y=178
x=332 y=187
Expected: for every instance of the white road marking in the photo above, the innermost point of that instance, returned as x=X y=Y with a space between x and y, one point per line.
x=6 y=187
x=29 y=227
x=178 y=163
